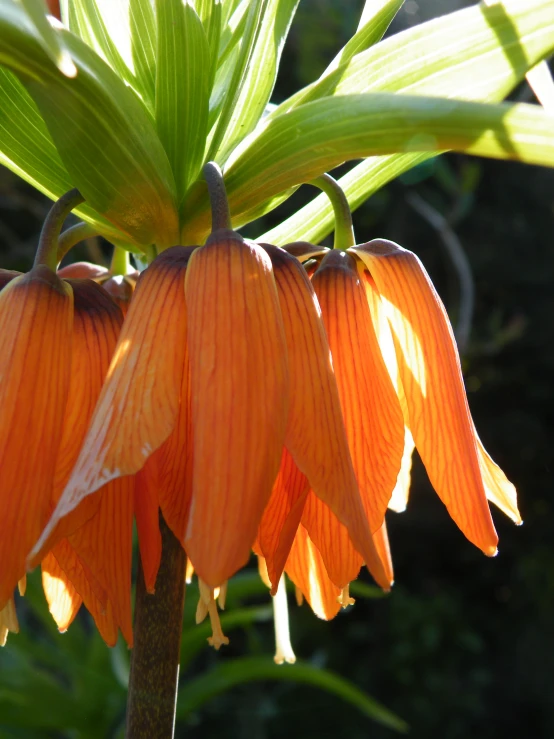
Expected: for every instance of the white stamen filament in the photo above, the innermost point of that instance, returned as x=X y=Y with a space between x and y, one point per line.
x=283 y=647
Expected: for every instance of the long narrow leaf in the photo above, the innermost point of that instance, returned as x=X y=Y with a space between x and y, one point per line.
x=240 y=671
x=472 y=65
x=104 y=136
x=470 y=54
x=318 y=136
x=260 y=73
x=51 y=40
x=26 y=148
x=182 y=92
x=255 y=14
x=143 y=47
x=376 y=18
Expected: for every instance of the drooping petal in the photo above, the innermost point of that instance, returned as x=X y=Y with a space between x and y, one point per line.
x=67 y=583
x=399 y=497
x=498 y=488
x=35 y=360
x=306 y=569
x=316 y=436
x=342 y=561
x=281 y=518
x=139 y=402
x=430 y=371
x=62 y=598
x=239 y=391
x=96 y=326
x=147 y=516
x=371 y=411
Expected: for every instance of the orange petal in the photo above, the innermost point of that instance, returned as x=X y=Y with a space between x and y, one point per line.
x=371 y=411
x=399 y=498
x=7 y=275
x=430 y=371
x=239 y=390
x=498 y=488
x=342 y=561
x=62 y=598
x=281 y=518
x=147 y=518
x=381 y=539
x=96 y=324
x=83 y=270
x=316 y=437
x=67 y=583
x=121 y=289
x=138 y=405
x=175 y=463
x=35 y=356
x=104 y=545
x=306 y=569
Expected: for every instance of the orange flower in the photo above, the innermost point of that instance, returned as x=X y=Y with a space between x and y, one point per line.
x=222 y=363
x=57 y=338
x=400 y=384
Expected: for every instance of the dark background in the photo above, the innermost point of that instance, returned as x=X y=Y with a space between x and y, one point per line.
x=464 y=645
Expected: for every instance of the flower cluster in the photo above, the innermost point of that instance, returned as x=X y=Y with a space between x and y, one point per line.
x=257 y=403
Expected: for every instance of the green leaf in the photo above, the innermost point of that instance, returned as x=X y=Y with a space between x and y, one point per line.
x=314 y=221
x=182 y=91
x=123 y=34
x=316 y=137
x=223 y=130
x=28 y=150
x=465 y=61
x=240 y=671
x=51 y=40
x=479 y=53
x=103 y=134
x=376 y=18
x=143 y=48
x=260 y=73
x=210 y=12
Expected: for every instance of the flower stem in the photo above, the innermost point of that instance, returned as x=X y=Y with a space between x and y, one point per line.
x=120 y=262
x=221 y=217
x=47 y=252
x=157 y=635
x=344 y=231
x=74 y=235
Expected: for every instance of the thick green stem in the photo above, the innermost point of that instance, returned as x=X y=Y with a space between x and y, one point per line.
x=221 y=217
x=344 y=231
x=120 y=261
x=157 y=642
x=47 y=252
x=74 y=235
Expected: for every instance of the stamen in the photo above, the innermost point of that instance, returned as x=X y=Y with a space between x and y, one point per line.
x=201 y=611
x=344 y=598
x=189 y=572
x=8 y=621
x=299 y=595
x=262 y=569
x=222 y=597
x=207 y=605
x=283 y=647
x=22 y=585
x=218 y=637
